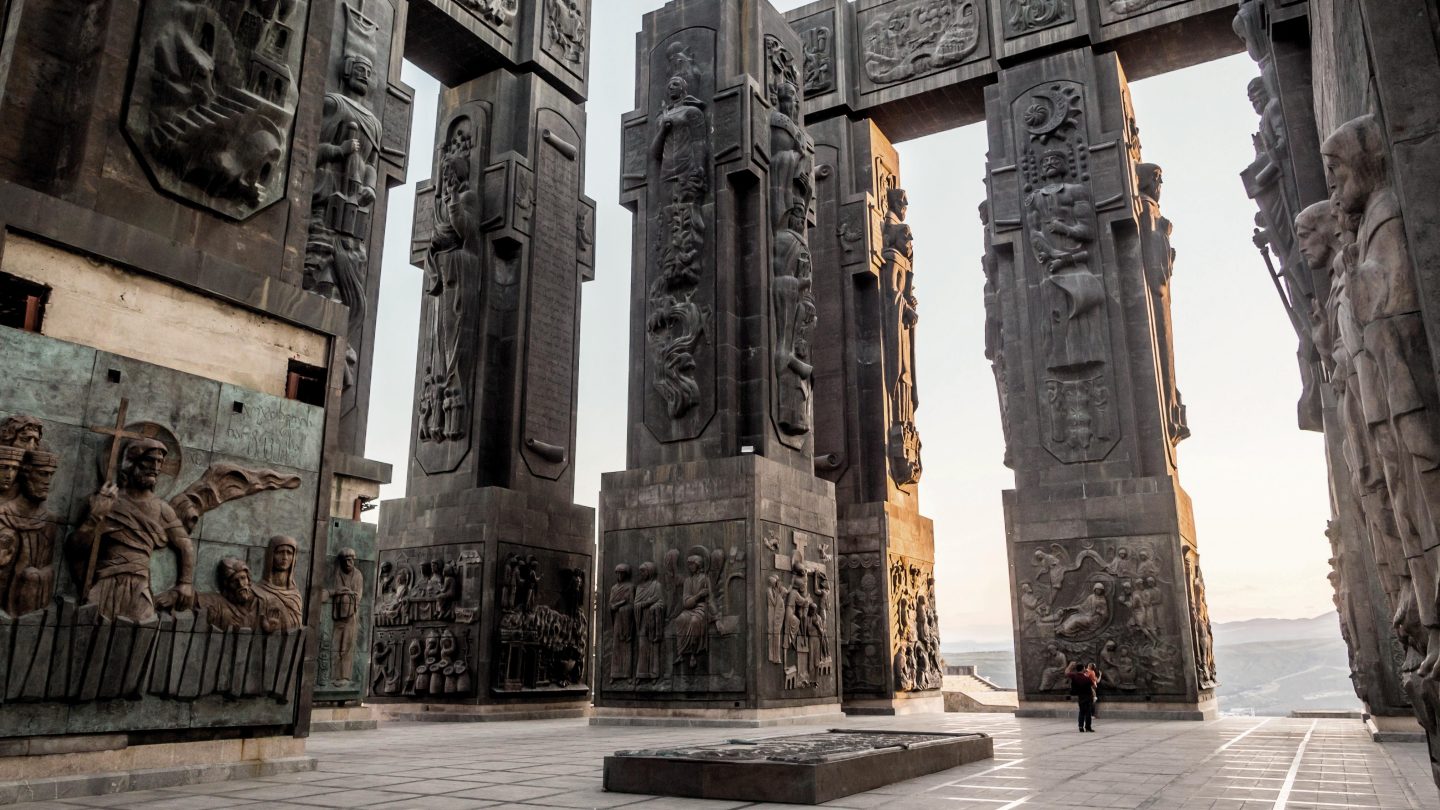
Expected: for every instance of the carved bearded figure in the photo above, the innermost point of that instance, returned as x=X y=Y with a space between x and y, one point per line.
x=1059 y=215
x=27 y=537
x=1159 y=268
x=1393 y=369
x=792 y=186
x=125 y=524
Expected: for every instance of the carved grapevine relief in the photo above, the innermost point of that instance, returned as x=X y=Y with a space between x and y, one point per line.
x=427 y=606
x=113 y=637
x=920 y=37
x=680 y=158
x=792 y=194
x=213 y=98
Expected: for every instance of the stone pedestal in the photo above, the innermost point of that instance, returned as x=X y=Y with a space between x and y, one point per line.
x=1100 y=534
x=719 y=606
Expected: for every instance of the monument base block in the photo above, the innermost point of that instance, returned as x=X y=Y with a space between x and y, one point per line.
x=470 y=713
x=1389 y=728
x=40 y=769
x=902 y=704
x=1206 y=709
x=718 y=718
x=343 y=718
x=802 y=769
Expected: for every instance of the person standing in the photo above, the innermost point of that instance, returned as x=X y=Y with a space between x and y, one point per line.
x=1082 y=687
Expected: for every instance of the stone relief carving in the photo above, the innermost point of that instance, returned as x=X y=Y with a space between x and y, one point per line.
x=564 y=33
x=544 y=633
x=1389 y=402
x=685 y=604
x=1060 y=224
x=680 y=158
x=213 y=98
x=862 y=623
x=1204 y=639
x=901 y=316
x=819 y=44
x=427 y=608
x=499 y=13
x=792 y=196
x=453 y=287
x=797 y=613
x=346 y=589
x=342 y=202
x=1107 y=605
x=920 y=37
x=113 y=637
x=1025 y=16
x=915 y=643
x=994 y=328
x=1159 y=258
x=797 y=749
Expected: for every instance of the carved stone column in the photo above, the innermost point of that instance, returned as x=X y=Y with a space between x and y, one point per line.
x=718 y=548
x=866 y=393
x=1101 y=539
x=484 y=577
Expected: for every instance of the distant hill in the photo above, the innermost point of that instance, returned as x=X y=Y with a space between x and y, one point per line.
x=1267 y=666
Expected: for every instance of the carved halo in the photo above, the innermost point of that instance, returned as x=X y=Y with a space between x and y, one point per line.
x=151 y=430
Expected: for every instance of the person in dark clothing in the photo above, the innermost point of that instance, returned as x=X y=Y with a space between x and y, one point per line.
x=1082 y=687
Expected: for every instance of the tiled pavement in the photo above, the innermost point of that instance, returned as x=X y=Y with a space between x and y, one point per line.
x=1231 y=764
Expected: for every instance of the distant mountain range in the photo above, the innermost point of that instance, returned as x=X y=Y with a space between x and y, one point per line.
x=1266 y=666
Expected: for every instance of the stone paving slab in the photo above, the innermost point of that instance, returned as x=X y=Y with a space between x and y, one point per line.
x=1241 y=763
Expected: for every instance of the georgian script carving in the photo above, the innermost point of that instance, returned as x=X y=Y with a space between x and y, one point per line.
x=920 y=37
x=1024 y=16
x=792 y=190
x=341 y=204
x=213 y=98
x=901 y=315
x=680 y=158
x=454 y=262
x=564 y=34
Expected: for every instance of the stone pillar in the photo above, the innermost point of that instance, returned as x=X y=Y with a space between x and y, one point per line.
x=1100 y=534
x=483 y=587
x=718 y=552
x=866 y=393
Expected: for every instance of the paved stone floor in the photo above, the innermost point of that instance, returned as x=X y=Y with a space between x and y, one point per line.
x=1232 y=764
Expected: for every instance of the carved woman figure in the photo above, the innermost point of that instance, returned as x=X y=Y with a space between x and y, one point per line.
x=650 y=608
x=622 y=624
x=282 y=602
x=692 y=623
x=1090 y=616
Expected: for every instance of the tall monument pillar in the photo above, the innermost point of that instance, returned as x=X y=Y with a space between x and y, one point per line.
x=866 y=394
x=482 y=605
x=718 y=556
x=1101 y=539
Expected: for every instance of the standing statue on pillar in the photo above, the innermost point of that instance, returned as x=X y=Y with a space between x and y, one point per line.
x=1159 y=259
x=453 y=285
x=1397 y=385
x=901 y=315
x=336 y=253
x=792 y=188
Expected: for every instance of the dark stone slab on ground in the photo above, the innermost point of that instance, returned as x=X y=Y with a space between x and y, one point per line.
x=797 y=769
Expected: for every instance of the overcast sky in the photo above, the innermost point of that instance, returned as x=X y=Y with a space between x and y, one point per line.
x=1258 y=483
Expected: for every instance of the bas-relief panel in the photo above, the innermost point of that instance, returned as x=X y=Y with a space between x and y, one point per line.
x=564 y=35
x=801 y=613
x=213 y=99
x=680 y=254
x=145 y=555
x=542 y=628
x=427 y=622
x=818 y=39
x=676 y=610
x=914 y=625
x=863 y=622
x=1112 y=11
x=342 y=664
x=1111 y=602
x=910 y=39
x=1022 y=17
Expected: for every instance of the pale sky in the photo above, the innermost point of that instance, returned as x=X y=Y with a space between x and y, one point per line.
x=1258 y=482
